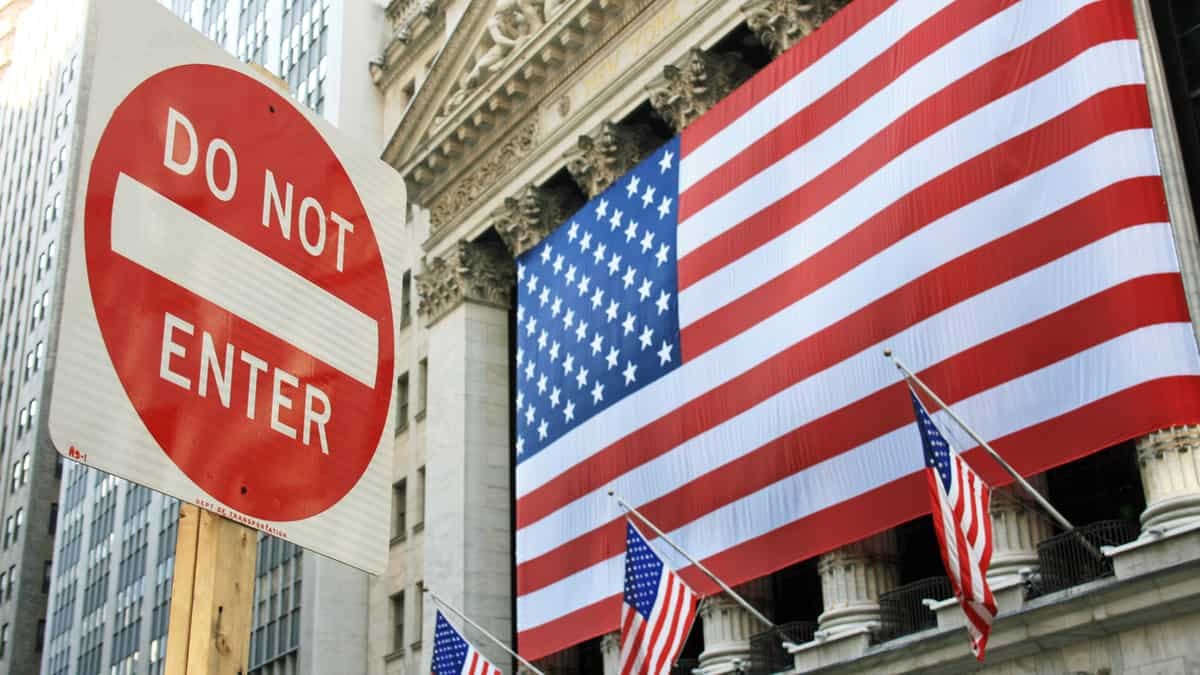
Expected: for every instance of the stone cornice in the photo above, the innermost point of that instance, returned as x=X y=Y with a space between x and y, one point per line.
x=461 y=117
x=472 y=271
x=410 y=131
x=414 y=23
x=477 y=183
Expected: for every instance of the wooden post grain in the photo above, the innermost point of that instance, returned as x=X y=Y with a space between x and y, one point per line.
x=212 y=595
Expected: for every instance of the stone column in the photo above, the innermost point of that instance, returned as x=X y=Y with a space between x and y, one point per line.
x=565 y=662
x=465 y=295
x=1018 y=525
x=1170 y=467
x=728 y=626
x=852 y=578
x=610 y=649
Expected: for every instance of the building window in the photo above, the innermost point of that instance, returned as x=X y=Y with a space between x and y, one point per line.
x=420 y=524
x=423 y=394
x=17 y=526
x=52 y=527
x=406 y=299
x=402 y=403
x=3 y=640
x=399 y=510
x=46 y=575
x=397 y=621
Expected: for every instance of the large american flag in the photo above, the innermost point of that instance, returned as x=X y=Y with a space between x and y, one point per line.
x=657 y=612
x=453 y=655
x=972 y=183
x=960 y=503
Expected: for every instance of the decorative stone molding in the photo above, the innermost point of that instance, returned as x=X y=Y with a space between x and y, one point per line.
x=728 y=627
x=852 y=578
x=601 y=158
x=779 y=24
x=1169 y=461
x=527 y=218
x=469 y=271
x=412 y=21
x=488 y=170
x=1018 y=525
x=610 y=650
x=688 y=89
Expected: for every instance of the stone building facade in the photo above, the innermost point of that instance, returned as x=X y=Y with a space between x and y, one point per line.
x=504 y=116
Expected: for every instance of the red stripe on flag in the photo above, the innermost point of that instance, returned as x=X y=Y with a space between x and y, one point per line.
x=1009 y=162
x=994 y=80
x=824 y=112
x=988 y=364
x=832 y=33
x=1113 y=419
x=1110 y=210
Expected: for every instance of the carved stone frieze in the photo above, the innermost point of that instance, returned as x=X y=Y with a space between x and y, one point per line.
x=473 y=271
x=527 y=218
x=600 y=159
x=688 y=89
x=779 y=24
x=487 y=171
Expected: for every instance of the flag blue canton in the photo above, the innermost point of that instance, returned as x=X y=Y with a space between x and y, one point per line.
x=597 y=304
x=937 y=450
x=643 y=572
x=449 y=648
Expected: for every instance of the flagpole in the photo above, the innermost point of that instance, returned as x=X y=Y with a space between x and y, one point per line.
x=725 y=587
x=438 y=599
x=1037 y=496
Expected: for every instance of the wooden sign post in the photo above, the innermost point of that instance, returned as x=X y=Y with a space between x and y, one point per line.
x=212 y=595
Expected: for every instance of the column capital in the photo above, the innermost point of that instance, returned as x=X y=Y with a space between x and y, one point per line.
x=607 y=154
x=526 y=218
x=1170 y=467
x=470 y=270
x=779 y=24
x=689 y=88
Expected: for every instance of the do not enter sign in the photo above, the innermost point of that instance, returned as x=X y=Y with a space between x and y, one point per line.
x=247 y=334
x=226 y=333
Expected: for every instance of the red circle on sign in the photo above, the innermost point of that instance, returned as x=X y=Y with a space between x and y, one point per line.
x=278 y=455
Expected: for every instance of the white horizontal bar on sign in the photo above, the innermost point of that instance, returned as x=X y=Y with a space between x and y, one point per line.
x=185 y=249
x=1052 y=391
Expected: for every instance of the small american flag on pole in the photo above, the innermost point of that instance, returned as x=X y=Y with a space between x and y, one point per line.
x=453 y=655
x=961 y=516
x=657 y=613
